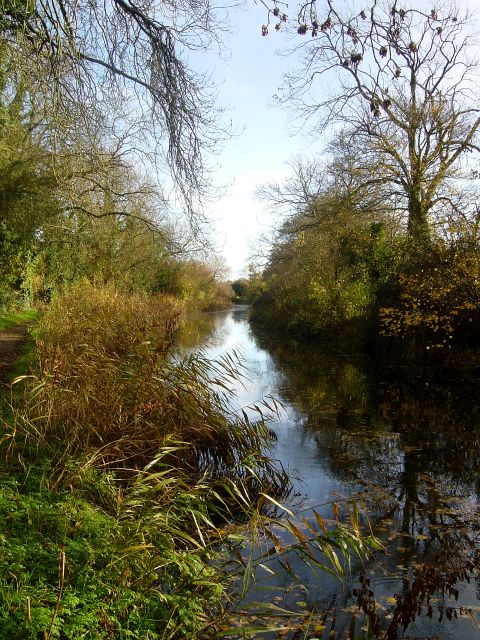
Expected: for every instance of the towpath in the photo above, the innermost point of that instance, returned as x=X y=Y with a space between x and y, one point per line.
x=11 y=344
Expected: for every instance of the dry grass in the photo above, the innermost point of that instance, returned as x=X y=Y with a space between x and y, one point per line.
x=108 y=392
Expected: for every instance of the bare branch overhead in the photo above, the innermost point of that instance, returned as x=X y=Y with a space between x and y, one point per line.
x=131 y=57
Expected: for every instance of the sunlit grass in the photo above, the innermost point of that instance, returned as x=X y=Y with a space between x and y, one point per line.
x=8 y=320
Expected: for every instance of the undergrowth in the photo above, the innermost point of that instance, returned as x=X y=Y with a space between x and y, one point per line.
x=123 y=469
x=107 y=390
x=101 y=562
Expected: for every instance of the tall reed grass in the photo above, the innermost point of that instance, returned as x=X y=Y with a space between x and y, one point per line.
x=107 y=390
x=128 y=467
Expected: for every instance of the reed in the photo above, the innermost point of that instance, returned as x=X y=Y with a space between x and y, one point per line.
x=124 y=469
x=128 y=466
x=107 y=390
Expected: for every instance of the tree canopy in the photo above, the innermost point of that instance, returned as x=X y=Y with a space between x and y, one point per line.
x=405 y=88
x=126 y=61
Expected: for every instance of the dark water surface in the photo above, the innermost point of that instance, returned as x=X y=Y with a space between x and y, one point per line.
x=407 y=440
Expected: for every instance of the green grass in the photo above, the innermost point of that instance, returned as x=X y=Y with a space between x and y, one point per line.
x=8 y=320
x=25 y=363
x=26 y=360
x=74 y=568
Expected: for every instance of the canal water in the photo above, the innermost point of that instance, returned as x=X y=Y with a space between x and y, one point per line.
x=404 y=441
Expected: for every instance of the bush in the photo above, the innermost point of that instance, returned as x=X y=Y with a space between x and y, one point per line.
x=437 y=298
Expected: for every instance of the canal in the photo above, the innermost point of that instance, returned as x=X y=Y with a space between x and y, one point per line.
x=403 y=442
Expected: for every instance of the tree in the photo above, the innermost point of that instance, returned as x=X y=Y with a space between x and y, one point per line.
x=408 y=95
x=127 y=59
x=342 y=176
x=328 y=255
x=27 y=187
x=438 y=304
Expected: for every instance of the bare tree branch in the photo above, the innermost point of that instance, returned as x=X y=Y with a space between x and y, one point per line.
x=408 y=92
x=130 y=57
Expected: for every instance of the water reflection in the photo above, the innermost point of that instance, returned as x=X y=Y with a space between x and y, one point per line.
x=407 y=438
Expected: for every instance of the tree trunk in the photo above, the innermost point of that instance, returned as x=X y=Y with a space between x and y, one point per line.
x=418 y=228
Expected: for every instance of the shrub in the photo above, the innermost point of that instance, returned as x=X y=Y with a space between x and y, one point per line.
x=437 y=298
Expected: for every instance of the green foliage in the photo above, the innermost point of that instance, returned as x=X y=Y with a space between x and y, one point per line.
x=341 y=267
x=75 y=208
x=325 y=277
x=127 y=573
x=199 y=287
x=240 y=289
x=27 y=195
x=13 y=13
x=248 y=290
x=430 y=298
x=334 y=249
x=107 y=561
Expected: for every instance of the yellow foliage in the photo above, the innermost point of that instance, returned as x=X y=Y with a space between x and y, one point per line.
x=436 y=299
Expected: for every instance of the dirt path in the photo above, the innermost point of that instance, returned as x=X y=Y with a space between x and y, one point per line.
x=11 y=343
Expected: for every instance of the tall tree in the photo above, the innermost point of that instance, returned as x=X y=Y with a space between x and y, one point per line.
x=407 y=93
x=327 y=258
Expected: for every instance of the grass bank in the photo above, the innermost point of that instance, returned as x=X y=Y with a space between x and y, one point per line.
x=8 y=320
x=122 y=469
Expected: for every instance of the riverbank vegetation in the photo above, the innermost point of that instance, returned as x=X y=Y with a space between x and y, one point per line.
x=121 y=466
x=380 y=233
x=125 y=477
x=125 y=471
x=94 y=217
x=79 y=194
x=342 y=272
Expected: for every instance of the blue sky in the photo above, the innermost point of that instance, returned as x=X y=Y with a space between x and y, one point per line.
x=247 y=78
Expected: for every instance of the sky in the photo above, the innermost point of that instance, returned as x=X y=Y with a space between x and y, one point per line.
x=247 y=78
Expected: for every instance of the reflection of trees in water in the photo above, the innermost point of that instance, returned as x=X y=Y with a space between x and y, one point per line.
x=412 y=436
x=205 y=329
x=209 y=329
x=239 y=312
